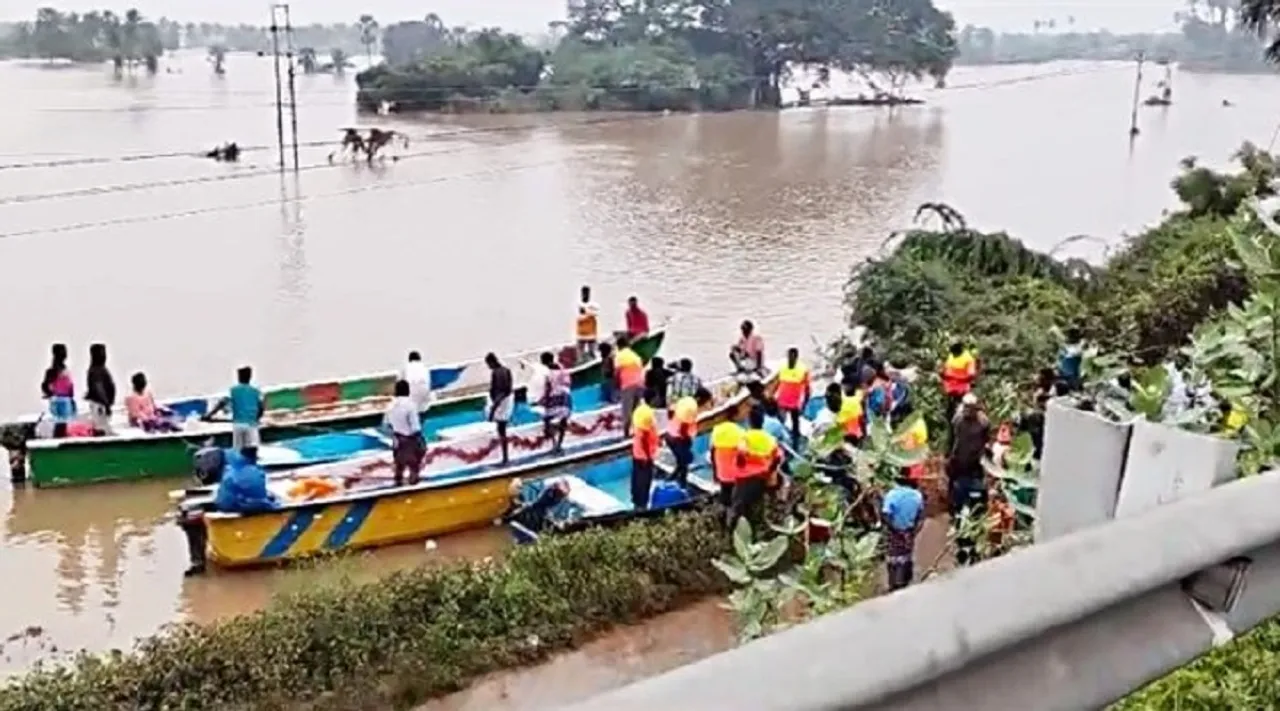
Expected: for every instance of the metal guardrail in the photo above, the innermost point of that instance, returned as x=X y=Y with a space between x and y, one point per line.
x=1073 y=623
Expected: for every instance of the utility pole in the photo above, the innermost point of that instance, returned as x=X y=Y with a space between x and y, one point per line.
x=280 y=11
x=1137 y=94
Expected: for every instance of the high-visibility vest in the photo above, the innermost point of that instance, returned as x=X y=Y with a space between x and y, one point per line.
x=850 y=416
x=588 y=326
x=914 y=439
x=726 y=444
x=644 y=433
x=793 y=383
x=630 y=369
x=684 y=419
x=1235 y=421
x=760 y=452
x=958 y=373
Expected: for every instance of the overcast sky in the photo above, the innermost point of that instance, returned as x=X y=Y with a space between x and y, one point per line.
x=533 y=15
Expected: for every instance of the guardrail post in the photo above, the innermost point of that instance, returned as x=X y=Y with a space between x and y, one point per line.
x=1080 y=471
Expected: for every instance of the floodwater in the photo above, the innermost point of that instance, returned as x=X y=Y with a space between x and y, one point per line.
x=476 y=240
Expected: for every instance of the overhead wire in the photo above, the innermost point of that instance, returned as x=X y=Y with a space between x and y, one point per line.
x=304 y=198
x=162 y=155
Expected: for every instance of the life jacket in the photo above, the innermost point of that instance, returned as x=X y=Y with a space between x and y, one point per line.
x=1235 y=421
x=914 y=439
x=958 y=373
x=760 y=453
x=850 y=416
x=629 y=368
x=588 y=325
x=727 y=440
x=644 y=433
x=684 y=419
x=793 y=383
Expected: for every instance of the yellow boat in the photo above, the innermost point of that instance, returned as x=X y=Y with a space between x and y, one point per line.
x=464 y=485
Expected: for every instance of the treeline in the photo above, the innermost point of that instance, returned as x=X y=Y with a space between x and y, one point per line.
x=661 y=54
x=97 y=36
x=1211 y=39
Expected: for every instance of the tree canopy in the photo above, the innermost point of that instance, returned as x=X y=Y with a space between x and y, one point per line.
x=92 y=37
x=688 y=54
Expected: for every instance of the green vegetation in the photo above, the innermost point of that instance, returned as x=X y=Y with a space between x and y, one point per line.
x=92 y=37
x=665 y=54
x=1216 y=35
x=394 y=642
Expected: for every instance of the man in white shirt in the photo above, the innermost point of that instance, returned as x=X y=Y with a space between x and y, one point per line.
x=415 y=373
x=407 y=449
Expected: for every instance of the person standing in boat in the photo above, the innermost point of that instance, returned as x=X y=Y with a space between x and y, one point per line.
x=100 y=390
x=407 y=448
x=60 y=390
x=644 y=450
x=794 y=390
x=656 y=378
x=629 y=368
x=588 y=326
x=682 y=429
x=608 y=375
x=637 y=320
x=556 y=401
x=748 y=353
x=246 y=406
x=415 y=373
x=502 y=400
x=683 y=381
x=758 y=464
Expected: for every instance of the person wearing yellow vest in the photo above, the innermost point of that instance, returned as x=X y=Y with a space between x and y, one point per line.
x=851 y=418
x=758 y=462
x=628 y=368
x=644 y=450
x=726 y=444
x=794 y=389
x=588 y=326
x=682 y=427
x=959 y=370
x=916 y=439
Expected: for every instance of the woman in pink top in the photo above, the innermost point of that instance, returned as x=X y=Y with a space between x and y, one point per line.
x=143 y=411
x=748 y=353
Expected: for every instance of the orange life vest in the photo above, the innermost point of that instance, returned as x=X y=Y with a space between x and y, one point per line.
x=684 y=419
x=915 y=439
x=726 y=445
x=760 y=454
x=630 y=369
x=958 y=373
x=793 y=385
x=588 y=326
x=644 y=433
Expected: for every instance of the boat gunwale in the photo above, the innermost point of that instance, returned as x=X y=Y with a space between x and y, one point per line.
x=223 y=428
x=438 y=484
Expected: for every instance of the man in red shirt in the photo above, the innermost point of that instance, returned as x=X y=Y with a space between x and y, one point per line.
x=637 y=319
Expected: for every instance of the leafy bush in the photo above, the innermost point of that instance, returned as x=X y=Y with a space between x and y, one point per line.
x=398 y=640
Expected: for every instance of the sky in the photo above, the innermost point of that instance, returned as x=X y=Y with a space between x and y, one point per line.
x=529 y=16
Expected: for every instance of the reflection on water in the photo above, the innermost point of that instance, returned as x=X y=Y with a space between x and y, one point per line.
x=478 y=241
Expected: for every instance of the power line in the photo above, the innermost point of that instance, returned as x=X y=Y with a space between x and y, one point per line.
x=151 y=185
x=78 y=226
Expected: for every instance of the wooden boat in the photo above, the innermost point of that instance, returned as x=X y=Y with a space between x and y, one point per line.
x=464 y=486
x=291 y=411
x=600 y=496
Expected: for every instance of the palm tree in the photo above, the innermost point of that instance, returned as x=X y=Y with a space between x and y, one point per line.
x=339 y=59
x=307 y=58
x=130 y=36
x=1261 y=16
x=368 y=35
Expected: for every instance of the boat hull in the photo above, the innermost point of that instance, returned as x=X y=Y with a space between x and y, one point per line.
x=467 y=489
x=91 y=460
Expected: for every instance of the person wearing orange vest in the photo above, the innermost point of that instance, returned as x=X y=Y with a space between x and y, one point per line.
x=726 y=444
x=915 y=439
x=794 y=389
x=587 y=326
x=851 y=418
x=959 y=370
x=628 y=368
x=758 y=462
x=644 y=451
x=682 y=427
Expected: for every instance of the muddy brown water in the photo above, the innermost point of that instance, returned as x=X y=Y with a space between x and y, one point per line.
x=478 y=241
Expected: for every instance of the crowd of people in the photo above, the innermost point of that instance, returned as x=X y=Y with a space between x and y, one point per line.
x=62 y=416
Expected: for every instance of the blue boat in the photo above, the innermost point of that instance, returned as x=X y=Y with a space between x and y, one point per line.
x=600 y=495
x=330 y=447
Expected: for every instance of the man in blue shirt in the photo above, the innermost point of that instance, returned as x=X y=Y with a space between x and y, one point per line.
x=903 y=514
x=246 y=406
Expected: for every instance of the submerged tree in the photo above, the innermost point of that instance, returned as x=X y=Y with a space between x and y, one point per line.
x=368 y=35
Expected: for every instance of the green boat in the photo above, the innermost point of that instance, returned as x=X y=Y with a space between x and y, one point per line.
x=459 y=396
